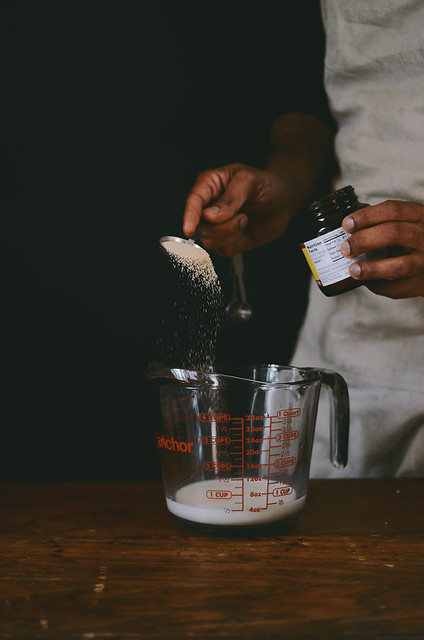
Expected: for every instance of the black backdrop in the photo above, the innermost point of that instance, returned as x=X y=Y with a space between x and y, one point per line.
x=109 y=111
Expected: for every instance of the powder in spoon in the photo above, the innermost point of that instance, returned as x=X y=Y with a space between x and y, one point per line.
x=194 y=260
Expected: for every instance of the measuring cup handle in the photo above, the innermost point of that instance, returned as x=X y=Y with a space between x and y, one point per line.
x=339 y=416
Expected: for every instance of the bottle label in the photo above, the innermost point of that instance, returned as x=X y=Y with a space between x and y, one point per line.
x=326 y=262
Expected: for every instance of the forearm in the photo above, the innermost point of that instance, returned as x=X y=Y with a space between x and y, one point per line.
x=302 y=154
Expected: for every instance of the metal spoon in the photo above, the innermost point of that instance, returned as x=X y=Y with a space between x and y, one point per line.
x=177 y=239
x=238 y=309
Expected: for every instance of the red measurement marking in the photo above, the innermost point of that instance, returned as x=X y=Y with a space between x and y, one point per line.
x=214 y=417
x=216 y=440
x=217 y=466
x=288 y=435
x=288 y=413
x=216 y=494
x=282 y=491
x=285 y=462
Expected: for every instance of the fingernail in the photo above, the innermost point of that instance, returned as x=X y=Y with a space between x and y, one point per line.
x=211 y=210
x=345 y=248
x=355 y=270
x=243 y=222
x=348 y=224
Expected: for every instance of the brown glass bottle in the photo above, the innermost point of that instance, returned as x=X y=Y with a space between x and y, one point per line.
x=322 y=233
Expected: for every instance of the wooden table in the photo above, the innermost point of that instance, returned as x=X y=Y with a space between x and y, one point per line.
x=105 y=561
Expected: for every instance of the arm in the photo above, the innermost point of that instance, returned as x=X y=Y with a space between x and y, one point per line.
x=237 y=208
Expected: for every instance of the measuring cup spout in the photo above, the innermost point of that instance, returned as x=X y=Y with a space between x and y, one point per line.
x=160 y=373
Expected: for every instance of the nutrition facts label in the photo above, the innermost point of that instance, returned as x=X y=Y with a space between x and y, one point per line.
x=324 y=258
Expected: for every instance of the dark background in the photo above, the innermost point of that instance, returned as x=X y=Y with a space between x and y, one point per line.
x=109 y=111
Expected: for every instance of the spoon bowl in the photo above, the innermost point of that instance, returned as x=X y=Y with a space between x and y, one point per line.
x=164 y=239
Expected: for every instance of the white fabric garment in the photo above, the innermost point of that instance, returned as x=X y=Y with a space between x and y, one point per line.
x=374 y=77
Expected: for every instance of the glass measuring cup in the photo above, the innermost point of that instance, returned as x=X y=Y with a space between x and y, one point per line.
x=235 y=447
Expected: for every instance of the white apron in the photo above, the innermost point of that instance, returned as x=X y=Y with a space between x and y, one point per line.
x=374 y=77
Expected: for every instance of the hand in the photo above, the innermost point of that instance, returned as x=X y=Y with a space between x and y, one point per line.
x=237 y=208
x=227 y=208
x=391 y=223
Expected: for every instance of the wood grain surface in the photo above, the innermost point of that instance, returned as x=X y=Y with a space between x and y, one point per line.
x=106 y=561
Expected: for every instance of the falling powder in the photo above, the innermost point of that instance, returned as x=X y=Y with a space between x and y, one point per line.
x=199 y=306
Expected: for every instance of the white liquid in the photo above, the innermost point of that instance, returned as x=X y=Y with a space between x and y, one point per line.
x=219 y=503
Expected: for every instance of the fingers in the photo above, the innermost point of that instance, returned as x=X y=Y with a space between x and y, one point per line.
x=216 y=197
x=397 y=268
x=224 y=238
x=396 y=289
x=203 y=192
x=391 y=224
x=223 y=224
x=388 y=234
x=391 y=210
x=399 y=277
x=218 y=206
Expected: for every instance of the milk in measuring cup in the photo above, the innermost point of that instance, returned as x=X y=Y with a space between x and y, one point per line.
x=235 y=502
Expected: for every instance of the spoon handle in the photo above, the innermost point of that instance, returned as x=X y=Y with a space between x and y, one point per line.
x=238 y=267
